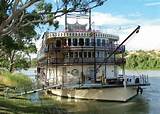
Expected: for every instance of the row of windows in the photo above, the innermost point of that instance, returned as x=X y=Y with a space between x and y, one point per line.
x=80 y=34
x=81 y=42
x=85 y=54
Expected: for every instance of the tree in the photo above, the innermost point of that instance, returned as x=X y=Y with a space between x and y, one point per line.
x=16 y=14
x=34 y=62
x=15 y=50
x=19 y=19
x=143 y=60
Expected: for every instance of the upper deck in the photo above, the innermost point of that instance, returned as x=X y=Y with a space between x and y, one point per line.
x=81 y=34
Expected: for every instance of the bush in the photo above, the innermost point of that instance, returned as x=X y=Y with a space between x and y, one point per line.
x=17 y=80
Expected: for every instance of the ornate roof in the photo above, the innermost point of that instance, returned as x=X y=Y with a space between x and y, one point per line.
x=76 y=27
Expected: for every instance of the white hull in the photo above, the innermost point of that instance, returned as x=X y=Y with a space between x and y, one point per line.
x=109 y=94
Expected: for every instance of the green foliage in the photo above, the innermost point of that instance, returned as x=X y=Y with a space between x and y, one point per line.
x=17 y=80
x=143 y=60
x=16 y=49
x=21 y=13
x=18 y=19
x=34 y=62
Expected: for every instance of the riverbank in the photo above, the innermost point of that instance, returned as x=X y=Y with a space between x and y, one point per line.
x=10 y=84
x=26 y=105
x=146 y=60
x=37 y=103
x=147 y=103
x=15 y=80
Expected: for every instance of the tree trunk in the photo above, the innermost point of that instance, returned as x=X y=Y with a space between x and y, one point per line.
x=11 y=67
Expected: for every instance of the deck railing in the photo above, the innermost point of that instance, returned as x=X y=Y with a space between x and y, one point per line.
x=141 y=79
x=85 y=61
x=107 y=48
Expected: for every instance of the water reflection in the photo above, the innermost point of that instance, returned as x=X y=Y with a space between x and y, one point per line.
x=34 y=97
x=135 y=106
x=147 y=103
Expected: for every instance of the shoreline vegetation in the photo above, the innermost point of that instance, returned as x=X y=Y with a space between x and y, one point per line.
x=143 y=60
x=15 y=80
x=11 y=83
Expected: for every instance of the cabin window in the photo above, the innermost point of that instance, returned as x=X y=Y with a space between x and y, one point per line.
x=74 y=42
x=71 y=54
x=103 y=42
x=80 y=54
x=89 y=54
x=46 y=49
x=69 y=42
x=66 y=55
x=92 y=42
x=76 y=55
x=50 y=47
x=87 y=41
x=93 y=54
x=53 y=45
x=58 y=43
x=85 y=54
x=97 y=54
x=81 y=41
x=98 y=42
x=64 y=42
x=101 y=54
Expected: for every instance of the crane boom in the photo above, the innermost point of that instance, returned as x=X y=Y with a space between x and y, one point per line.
x=106 y=59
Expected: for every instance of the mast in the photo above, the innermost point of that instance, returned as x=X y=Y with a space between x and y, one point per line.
x=90 y=20
x=65 y=22
x=65 y=19
x=95 y=71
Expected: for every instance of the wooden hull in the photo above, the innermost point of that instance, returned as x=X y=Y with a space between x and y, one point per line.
x=109 y=94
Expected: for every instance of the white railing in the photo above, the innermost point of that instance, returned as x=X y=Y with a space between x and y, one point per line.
x=141 y=79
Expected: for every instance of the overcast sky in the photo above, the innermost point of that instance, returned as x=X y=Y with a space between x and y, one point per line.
x=121 y=17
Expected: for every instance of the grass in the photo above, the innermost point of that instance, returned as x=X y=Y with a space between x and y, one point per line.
x=15 y=80
x=13 y=83
x=24 y=104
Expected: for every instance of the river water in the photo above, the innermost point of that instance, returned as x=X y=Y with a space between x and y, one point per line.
x=147 y=103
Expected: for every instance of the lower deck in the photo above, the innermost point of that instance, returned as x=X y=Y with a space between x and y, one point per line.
x=97 y=86
x=122 y=94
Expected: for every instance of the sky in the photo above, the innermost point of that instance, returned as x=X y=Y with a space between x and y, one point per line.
x=121 y=17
